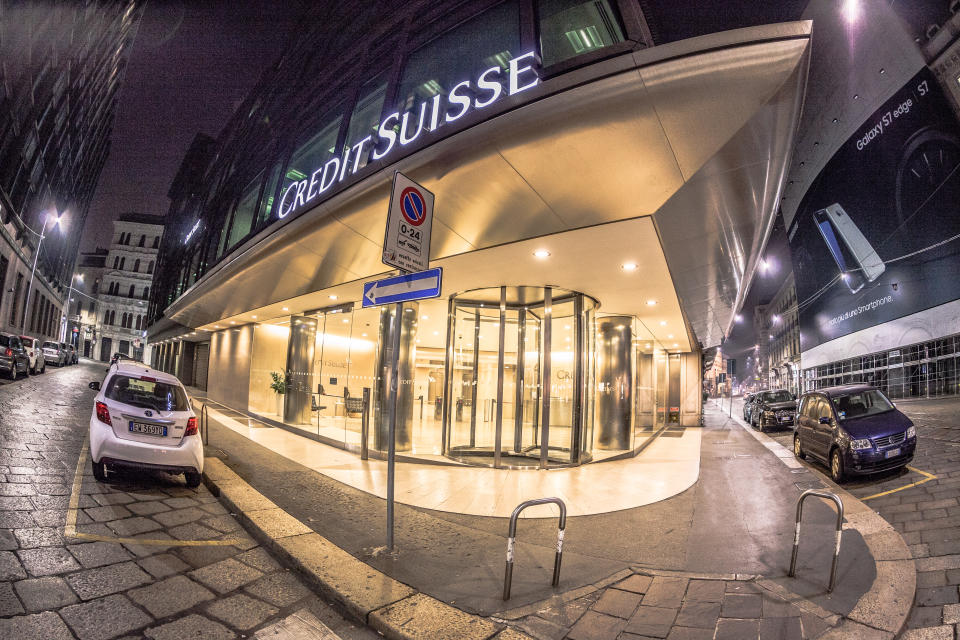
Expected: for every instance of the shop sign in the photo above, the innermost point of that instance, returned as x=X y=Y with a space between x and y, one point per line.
x=397 y=129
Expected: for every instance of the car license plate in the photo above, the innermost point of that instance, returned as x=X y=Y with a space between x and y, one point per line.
x=892 y=453
x=786 y=419
x=148 y=429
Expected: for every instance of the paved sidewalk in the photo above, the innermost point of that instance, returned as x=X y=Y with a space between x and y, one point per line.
x=923 y=504
x=715 y=556
x=148 y=558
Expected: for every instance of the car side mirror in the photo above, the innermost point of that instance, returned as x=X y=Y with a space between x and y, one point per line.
x=94 y=385
x=824 y=420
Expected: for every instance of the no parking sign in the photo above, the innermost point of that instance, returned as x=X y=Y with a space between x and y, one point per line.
x=406 y=243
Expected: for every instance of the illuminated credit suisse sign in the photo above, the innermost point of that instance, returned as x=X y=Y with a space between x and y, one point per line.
x=434 y=113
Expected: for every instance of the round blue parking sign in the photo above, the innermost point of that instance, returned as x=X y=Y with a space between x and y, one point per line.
x=413 y=206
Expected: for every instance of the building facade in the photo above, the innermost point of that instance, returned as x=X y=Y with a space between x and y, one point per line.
x=563 y=204
x=781 y=329
x=61 y=65
x=125 y=287
x=871 y=203
x=82 y=326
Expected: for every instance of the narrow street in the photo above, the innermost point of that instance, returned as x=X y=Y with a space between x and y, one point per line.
x=922 y=503
x=149 y=557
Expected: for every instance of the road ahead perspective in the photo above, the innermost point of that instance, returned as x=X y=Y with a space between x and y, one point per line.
x=490 y=320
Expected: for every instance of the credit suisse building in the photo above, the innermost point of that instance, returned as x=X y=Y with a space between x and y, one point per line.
x=605 y=174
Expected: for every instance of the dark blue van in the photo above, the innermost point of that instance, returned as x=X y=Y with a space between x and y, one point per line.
x=855 y=429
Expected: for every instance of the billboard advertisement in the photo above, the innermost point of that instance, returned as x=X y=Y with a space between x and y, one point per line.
x=876 y=236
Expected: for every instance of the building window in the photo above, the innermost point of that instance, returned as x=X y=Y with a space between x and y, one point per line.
x=266 y=202
x=150 y=267
x=490 y=39
x=143 y=241
x=243 y=215
x=146 y=293
x=16 y=300
x=122 y=261
x=569 y=28
x=130 y=294
x=136 y=266
x=116 y=262
x=310 y=157
x=156 y=242
x=366 y=118
x=4 y=263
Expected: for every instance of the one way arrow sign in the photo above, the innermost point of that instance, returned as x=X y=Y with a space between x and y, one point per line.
x=412 y=286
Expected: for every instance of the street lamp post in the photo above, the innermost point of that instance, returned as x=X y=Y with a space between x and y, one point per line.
x=43 y=230
x=65 y=319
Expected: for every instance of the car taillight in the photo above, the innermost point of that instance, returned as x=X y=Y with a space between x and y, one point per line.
x=191 y=427
x=103 y=414
x=8 y=352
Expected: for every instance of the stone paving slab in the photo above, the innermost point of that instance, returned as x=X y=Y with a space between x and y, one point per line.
x=54 y=587
x=422 y=617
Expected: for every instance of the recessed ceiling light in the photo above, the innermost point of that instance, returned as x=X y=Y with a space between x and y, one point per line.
x=675 y=344
x=285 y=309
x=663 y=323
x=254 y=317
x=232 y=322
x=216 y=326
x=629 y=266
x=346 y=320
x=363 y=335
x=436 y=333
x=541 y=253
x=424 y=317
x=651 y=302
x=670 y=336
x=332 y=296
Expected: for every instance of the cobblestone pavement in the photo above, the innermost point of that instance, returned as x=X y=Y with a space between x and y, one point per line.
x=926 y=514
x=152 y=558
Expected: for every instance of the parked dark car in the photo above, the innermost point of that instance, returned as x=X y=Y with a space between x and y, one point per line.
x=773 y=409
x=13 y=357
x=855 y=429
x=747 y=405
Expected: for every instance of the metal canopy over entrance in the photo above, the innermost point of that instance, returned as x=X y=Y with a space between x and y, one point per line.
x=519 y=393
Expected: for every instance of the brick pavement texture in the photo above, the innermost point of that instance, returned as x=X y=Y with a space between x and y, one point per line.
x=53 y=587
x=675 y=608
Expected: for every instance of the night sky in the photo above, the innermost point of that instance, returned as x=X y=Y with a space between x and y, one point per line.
x=191 y=64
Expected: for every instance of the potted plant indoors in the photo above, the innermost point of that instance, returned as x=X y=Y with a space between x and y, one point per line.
x=279 y=386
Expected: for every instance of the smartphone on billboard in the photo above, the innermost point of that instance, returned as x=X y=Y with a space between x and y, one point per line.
x=852 y=252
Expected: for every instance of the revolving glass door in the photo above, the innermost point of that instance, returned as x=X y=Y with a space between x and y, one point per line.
x=518 y=390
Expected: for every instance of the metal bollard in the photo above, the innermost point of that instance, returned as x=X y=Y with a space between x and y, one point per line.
x=204 y=426
x=796 y=533
x=512 y=538
x=365 y=425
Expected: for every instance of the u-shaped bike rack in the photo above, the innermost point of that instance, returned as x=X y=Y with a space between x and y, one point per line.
x=512 y=538
x=796 y=534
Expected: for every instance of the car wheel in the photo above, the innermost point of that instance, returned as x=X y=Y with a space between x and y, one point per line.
x=100 y=471
x=798 y=448
x=836 y=466
x=193 y=479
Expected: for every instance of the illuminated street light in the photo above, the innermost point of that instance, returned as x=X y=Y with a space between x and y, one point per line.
x=56 y=222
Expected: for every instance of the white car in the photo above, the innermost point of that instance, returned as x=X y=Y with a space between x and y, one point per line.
x=38 y=363
x=53 y=354
x=142 y=418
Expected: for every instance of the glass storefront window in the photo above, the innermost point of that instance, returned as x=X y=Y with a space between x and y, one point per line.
x=244 y=213
x=365 y=119
x=491 y=39
x=569 y=28
x=269 y=354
